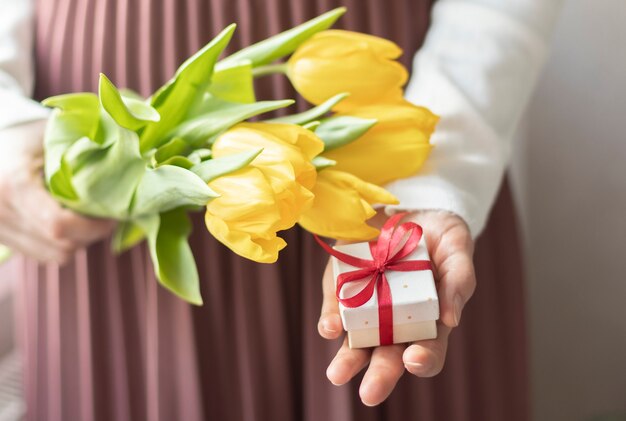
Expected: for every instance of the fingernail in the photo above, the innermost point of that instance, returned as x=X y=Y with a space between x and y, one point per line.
x=327 y=325
x=458 y=307
x=416 y=366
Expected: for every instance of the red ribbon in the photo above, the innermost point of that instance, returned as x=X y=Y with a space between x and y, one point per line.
x=385 y=257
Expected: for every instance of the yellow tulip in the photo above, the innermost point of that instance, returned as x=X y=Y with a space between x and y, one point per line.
x=396 y=147
x=342 y=205
x=285 y=161
x=336 y=61
x=246 y=216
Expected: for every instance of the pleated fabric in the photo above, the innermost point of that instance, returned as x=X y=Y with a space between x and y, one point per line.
x=103 y=341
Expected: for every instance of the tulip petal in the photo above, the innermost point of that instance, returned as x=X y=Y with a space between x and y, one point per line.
x=286 y=157
x=333 y=62
x=247 y=215
x=396 y=147
x=257 y=249
x=342 y=205
x=310 y=144
x=381 y=46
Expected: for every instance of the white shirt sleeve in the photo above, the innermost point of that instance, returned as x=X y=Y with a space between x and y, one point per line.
x=476 y=70
x=16 y=64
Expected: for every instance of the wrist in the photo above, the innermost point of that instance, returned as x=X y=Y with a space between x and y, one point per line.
x=21 y=146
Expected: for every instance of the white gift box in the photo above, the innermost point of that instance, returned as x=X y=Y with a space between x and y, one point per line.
x=414 y=300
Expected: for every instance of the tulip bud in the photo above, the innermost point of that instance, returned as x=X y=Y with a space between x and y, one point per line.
x=267 y=196
x=285 y=161
x=335 y=61
x=395 y=147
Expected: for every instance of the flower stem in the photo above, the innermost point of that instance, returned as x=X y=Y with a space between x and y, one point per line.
x=269 y=69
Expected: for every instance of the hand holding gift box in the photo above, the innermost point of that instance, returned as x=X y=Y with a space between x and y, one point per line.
x=385 y=289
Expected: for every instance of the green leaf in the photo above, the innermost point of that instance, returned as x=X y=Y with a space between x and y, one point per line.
x=339 y=131
x=75 y=101
x=61 y=182
x=130 y=94
x=168 y=187
x=107 y=178
x=179 y=161
x=77 y=116
x=320 y=163
x=172 y=257
x=127 y=235
x=234 y=83
x=312 y=114
x=283 y=44
x=312 y=125
x=141 y=109
x=189 y=84
x=127 y=112
x=221 y=116
x=217 y=167
x=5 y=253
x=176 y=146
x=199 y=155
x=80 y=152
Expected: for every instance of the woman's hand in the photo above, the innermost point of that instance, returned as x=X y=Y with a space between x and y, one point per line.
x=31 y=221
x=451 y=248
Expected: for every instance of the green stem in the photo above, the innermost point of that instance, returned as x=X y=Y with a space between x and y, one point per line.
x=270 y=69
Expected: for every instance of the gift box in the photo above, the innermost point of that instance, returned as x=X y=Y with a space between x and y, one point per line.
x=408 y=308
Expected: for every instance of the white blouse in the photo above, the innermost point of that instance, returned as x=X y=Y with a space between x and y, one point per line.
x=476 y=70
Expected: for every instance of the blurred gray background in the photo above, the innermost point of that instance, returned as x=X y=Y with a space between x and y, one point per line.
x=570 y=176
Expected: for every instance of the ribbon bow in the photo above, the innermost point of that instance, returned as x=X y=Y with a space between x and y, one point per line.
x=387 y=253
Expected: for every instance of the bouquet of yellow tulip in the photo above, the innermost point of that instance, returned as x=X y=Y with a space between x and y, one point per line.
x=149 y=162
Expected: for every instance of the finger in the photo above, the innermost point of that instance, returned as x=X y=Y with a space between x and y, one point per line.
x=83 y=231
x=426 y=358
x=37 y=248
x=457 y=284
x=48 y=219
x=347 y=363
x=386 y=368
x=329 y=325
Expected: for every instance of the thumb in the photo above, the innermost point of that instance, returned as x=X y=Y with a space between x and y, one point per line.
x=329 y=325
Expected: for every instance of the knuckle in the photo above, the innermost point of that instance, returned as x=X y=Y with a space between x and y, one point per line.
x=390 y=367
x=349 y=357
x=57 y=227
x=438 y=349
